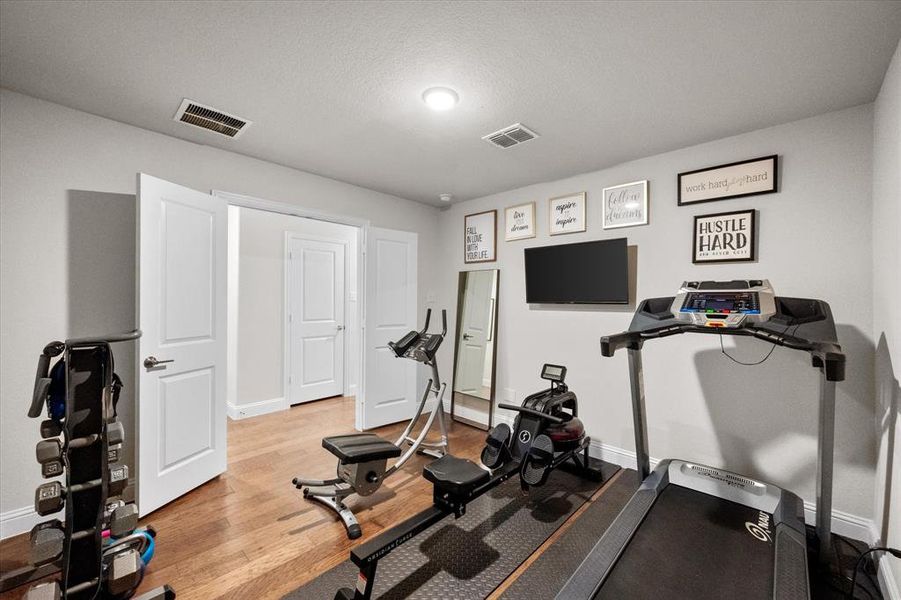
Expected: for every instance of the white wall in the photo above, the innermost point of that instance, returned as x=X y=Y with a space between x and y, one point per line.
x=886 y=317
x=260 y=331
x=814 y=241
x=67 y=245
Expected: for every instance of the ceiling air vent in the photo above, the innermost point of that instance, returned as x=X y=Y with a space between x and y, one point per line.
x=211 y=119
x=511 y=136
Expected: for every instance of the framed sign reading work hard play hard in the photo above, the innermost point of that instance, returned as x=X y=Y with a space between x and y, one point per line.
x=734 y=180
x=725 y=237
x=566 y=214
x=480 y=237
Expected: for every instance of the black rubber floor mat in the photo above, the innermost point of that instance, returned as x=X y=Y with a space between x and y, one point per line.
x=469 y=557
x=547 y=574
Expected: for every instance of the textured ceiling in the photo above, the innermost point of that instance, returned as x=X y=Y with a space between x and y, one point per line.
x=334 y=88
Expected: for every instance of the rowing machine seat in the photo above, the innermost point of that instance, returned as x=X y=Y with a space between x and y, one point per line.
x=454 y=475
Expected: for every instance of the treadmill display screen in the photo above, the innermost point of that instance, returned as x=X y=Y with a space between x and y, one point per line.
x=722 y=303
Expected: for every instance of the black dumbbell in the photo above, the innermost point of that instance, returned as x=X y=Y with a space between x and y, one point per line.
x=50 y=428
x=125 y=572
x=48 y=498
x=123 y=520
x=115 y=433
x=49 y=454
x=49 y=590
x=118 y=480
x=46 y=542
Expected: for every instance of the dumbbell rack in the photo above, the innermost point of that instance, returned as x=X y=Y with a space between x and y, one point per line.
x=91 y=391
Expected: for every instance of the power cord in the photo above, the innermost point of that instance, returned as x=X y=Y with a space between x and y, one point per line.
x=762 y=360
x=893 y=551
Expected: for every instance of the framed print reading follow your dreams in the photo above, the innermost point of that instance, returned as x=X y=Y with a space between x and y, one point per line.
x=725 y=237
x=566 y=214
x=480 y=237
x=626 y=205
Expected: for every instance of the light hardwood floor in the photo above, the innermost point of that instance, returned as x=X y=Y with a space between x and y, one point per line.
x=249 y=533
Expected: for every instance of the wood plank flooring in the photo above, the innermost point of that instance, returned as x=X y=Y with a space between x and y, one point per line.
x=249 y=533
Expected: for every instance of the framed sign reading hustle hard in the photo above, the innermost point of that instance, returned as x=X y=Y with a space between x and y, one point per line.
x=733 y=180
x=725 y=237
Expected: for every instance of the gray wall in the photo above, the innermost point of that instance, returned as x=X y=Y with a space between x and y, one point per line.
x=886 y=317
x=814 y=240
x=67 y=241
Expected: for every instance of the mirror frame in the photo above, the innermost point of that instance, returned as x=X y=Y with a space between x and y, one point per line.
x=461 y=289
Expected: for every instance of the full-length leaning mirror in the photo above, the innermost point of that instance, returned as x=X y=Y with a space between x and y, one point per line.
x=474 y=358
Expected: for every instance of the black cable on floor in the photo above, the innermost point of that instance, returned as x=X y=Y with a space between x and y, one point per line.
x=893 y=551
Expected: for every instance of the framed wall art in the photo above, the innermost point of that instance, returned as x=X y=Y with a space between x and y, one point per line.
x=725 y=237
x=566 y=214
x=519 y=222
x=480 y=237
x=625 y=205
x=733 y=180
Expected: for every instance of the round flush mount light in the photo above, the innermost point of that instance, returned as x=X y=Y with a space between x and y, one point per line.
x=440 y=98
x=445 y=197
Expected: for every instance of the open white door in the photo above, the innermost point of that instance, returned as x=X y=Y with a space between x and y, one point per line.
x=315 y=319
x=182 y=261
x=474 y=328
x=391 y=311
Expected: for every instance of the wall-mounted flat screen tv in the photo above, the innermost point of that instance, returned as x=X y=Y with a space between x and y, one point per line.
x=585 y=273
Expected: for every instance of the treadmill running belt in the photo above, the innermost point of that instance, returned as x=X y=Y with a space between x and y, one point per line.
x=692 y=545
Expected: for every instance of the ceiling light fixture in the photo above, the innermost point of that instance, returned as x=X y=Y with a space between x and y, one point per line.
x=440 y=98
x=445 y=197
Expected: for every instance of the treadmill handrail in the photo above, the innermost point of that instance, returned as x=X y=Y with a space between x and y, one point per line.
x=826 y=355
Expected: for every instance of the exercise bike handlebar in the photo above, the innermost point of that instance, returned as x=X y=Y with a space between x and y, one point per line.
x=531 y=411
x=428 y=318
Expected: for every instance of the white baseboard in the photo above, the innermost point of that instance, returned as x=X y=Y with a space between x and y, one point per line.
x=255 y=409
x=890 y=588
x=20 y=520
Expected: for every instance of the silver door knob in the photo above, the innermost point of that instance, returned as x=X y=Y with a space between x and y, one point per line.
x=466 y=336
x=152 y=361
x=340 y=327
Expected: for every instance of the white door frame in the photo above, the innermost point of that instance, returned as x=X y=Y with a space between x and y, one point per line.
x=293 y=235
x=362 y=226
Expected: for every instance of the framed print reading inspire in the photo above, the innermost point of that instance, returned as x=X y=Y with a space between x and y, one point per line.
x=566 y=214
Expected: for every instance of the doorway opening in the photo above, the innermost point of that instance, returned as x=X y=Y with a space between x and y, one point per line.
x=294 y=308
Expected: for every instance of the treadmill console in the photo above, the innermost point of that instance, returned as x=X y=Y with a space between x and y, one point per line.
x=729 y=304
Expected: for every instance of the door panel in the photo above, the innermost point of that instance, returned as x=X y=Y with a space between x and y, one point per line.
x=181 y=309
x=391 y=311
x=316 y=319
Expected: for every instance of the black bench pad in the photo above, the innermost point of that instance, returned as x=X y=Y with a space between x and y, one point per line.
x=455 y=475
x=360 y=447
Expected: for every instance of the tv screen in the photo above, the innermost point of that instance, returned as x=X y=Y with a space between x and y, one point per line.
x=585 y=273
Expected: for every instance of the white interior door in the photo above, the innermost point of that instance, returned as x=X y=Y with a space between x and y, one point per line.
x=315 y=319
x=391 y=311
x=474 y=330
x=182 y=260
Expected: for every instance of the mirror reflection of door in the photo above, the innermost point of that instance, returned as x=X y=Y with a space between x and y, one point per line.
x=474 y=368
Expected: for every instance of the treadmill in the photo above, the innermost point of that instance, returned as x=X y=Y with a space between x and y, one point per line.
x=694 y=531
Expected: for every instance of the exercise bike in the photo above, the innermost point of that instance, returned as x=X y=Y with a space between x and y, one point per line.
x=363 y=457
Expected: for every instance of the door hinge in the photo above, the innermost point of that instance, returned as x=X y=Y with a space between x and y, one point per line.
x=290 y=318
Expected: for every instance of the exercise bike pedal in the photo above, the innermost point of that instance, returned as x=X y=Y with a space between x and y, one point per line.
x=494 y=454
x=538 y=462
